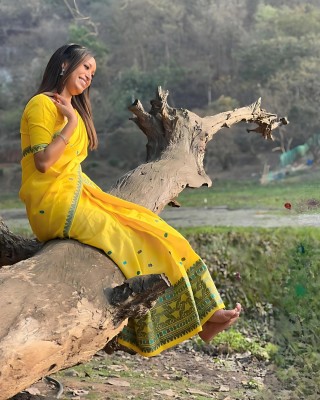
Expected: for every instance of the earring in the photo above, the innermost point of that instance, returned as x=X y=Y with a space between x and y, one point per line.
x=62 y=72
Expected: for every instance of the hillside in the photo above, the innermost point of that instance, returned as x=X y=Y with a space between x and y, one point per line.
x=211 y=55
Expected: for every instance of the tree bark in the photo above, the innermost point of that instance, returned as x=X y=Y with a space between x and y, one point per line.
x=60 y=307
x=59 y=302
x=177 y=140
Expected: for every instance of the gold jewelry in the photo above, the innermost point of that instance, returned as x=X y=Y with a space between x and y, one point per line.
x=63 y=138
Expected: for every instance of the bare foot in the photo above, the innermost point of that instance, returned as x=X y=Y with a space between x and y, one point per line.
x=219 y=321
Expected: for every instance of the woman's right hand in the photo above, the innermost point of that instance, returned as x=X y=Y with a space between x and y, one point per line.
x=63 y=105
x=44 y=159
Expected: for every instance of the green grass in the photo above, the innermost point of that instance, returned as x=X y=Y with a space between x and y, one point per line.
x=234 y=341
x=251 y=194
x=275 y=274
x=9 y=201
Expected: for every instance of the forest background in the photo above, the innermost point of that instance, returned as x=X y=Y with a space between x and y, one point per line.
x=212 y=55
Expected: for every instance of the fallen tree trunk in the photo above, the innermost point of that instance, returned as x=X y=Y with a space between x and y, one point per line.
x=58 y=300
x=60 y=307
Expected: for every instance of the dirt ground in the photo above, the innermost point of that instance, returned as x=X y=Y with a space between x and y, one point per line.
x=181 y=373
x=219 y=216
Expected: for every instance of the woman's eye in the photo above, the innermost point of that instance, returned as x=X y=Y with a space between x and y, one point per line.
x=86 y=66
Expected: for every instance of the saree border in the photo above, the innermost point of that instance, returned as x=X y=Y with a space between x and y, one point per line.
x=34 y=149
x=160 y=328
x=73 y=206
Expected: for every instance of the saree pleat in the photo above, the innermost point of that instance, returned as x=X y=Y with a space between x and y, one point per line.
x=135 y=238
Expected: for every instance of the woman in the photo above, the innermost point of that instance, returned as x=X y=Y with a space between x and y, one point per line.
x=62 y=202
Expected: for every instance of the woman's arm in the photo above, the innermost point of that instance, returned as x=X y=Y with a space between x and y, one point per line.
x=46 y=158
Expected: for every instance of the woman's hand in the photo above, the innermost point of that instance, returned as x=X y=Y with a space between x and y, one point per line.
x=63 y=105
x=46 y=158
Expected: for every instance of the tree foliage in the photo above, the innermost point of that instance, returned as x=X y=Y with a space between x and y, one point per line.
x=201 y=50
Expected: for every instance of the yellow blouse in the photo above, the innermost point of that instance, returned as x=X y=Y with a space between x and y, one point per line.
x=50 y=197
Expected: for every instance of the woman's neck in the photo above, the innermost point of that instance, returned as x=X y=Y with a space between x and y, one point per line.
x=65 y=93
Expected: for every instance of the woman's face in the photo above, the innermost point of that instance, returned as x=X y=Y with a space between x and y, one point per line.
x=80 y=79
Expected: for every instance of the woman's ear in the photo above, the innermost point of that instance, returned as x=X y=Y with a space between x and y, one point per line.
x=63 y=68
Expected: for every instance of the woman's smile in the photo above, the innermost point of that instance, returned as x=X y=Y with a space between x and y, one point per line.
x=84 y=81
x=80 y=79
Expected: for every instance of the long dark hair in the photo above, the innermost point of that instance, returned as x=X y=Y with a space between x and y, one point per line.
x=72 y=55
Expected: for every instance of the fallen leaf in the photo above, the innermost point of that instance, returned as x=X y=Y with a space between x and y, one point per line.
x=79 y=392
x=224 y=388
x=168 y=392
x=117 y=382
x=71 y=372
x=118 y=368
x=33 y=391
x=199 y=392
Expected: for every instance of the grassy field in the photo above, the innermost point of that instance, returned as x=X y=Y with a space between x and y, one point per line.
x=274 y=273
x=251 y=194
x=10 y=200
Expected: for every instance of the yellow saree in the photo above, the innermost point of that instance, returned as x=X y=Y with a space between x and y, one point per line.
x=65 y=203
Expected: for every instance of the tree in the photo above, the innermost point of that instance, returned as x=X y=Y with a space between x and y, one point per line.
x=58 y=303
x=239 y=48
x=285 y=72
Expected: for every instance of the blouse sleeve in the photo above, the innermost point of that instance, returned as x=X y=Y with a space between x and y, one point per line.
x=42 y=117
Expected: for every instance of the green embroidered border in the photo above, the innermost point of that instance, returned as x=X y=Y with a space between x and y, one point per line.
x=87 y=181
x=56 y=134
x=38 y=147
x=177 y=313
x=73 y=207
x=34 y=149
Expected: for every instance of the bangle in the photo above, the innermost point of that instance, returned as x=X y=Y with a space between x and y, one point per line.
x=63 y=138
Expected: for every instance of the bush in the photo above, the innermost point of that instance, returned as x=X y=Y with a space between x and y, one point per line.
x=274 y=273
